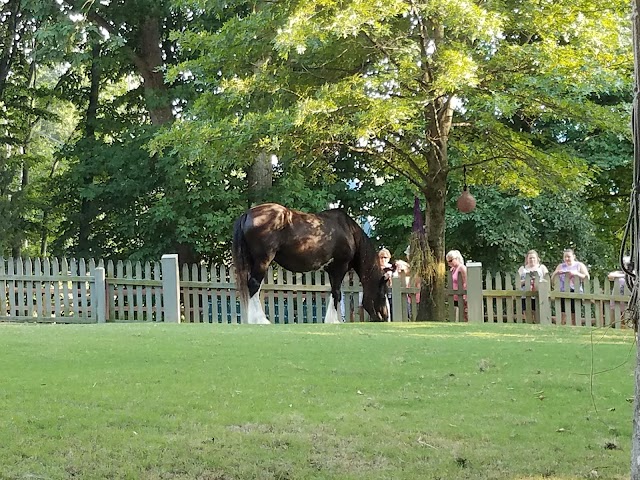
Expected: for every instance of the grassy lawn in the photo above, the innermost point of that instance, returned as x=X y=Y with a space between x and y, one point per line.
x=361 y=401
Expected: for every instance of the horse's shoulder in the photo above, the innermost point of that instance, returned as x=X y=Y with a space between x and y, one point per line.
x=275 y=207
x=338 y=218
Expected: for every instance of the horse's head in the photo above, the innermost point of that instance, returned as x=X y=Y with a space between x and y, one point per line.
x=374 y=298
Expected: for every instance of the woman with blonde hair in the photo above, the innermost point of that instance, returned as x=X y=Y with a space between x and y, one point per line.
x=536 y=270
x=458 y=271
x=572 y=274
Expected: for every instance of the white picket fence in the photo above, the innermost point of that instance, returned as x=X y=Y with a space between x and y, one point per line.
x=47 y=290
x=79 y=291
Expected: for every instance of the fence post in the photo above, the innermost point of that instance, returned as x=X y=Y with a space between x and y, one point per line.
x=544 y=303
x=475 y=308
x=171 y=288
x=99 y=294
x=396 y=299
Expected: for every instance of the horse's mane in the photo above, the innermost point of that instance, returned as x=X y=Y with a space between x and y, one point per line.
x=365 y=260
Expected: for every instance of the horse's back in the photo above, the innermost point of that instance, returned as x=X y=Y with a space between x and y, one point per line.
x=271 y=216
x=297 y=240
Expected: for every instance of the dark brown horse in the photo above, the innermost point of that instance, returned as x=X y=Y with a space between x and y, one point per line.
x=302 y=242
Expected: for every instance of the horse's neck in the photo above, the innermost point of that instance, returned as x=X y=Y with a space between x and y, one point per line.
x=366 y=265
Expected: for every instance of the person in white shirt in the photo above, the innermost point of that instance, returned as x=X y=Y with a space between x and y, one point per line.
x=537 y=271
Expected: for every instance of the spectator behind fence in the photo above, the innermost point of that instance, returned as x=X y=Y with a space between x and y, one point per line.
x=384 y=256
x=403 y=267
x=537 y=270
x=618 y=276
x=415 y=280
x=458 y=269
x=573 y=269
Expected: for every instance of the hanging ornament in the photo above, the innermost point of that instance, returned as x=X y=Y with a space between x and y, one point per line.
x=466 y=202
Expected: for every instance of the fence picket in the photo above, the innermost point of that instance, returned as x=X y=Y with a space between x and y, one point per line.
x=488 y=299
x=236 y=309
x=589 y=305
x=220 y=296
x=617 y=310
x=139 y=291
x=130 y=290
x=28 y=288
x=120 y=297
x=158 y=299
x=84 y=301
x=19 y=288
x=205 y=294
x=186 y=294
x=3 y=287
x=148 y=295
x=73 y=287
x=47 y=290
x=499 y=301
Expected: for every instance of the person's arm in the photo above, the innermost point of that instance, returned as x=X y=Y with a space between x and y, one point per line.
x=463 y=272
x=522 y=275
x=584 y=271
x=615 y=274
x=556 y=272
x=544 y=270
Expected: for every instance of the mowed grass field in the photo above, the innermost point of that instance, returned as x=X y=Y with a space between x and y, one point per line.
x=354 y=401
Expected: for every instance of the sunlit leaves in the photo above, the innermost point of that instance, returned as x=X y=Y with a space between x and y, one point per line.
x=460 y=70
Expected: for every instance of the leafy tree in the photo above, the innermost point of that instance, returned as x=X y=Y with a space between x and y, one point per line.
x=418 y=89
x=119 y=201
x=426 y=87
x=28 y=108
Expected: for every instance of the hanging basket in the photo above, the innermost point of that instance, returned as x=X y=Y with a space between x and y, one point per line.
x=466 y=202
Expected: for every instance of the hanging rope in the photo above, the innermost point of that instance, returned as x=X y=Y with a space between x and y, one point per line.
x=631 y=239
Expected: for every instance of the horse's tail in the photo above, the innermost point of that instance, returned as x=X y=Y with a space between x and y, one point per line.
x=241 y=254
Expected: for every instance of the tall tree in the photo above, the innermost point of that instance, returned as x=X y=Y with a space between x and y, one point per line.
x=25 y=102
x=443 y=84
x=419 y=89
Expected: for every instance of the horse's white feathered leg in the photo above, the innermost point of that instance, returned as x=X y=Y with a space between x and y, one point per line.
x=255 y=313
x=332 y=313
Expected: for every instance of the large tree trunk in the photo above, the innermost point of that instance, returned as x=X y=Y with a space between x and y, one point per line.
x=438 y=118
x=432 y=296
x=87 y=213
x=150 y=67
x=259 y=178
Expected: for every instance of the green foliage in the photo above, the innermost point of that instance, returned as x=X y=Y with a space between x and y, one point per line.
x=504 y=227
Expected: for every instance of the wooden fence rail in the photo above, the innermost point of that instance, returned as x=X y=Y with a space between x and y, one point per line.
x=89 y=291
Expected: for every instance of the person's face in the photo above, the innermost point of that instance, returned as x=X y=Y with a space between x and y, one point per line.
x=532 y=259
x=568 y=258
x=384 y=259
x=452 y=261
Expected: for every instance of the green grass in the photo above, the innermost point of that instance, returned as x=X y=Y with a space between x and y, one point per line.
x=362 y=401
